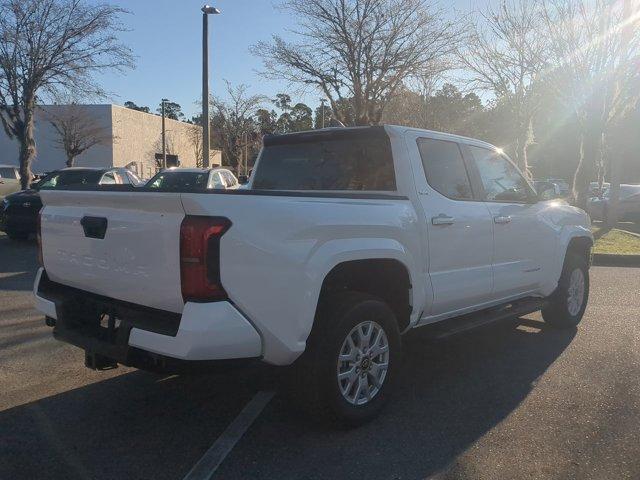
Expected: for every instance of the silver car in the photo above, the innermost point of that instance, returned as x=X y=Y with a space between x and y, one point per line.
x=628 y=208
x=9 y=180
x=194 y=178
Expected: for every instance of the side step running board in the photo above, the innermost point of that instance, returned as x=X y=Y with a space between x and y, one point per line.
x=453 y=326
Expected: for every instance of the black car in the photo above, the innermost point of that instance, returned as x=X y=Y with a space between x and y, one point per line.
x=19 y=211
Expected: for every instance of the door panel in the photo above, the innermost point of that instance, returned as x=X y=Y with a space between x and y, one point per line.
x=459 y=230
x=524 y=243
x=524 y=249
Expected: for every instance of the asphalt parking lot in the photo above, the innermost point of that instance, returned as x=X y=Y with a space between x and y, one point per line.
x=511 y=401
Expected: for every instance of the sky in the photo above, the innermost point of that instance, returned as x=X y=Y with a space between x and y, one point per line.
x=166 y=38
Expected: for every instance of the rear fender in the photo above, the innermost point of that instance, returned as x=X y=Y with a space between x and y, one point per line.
x=333 y=253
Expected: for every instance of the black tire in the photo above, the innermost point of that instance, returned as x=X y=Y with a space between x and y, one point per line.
x=315 y=380
x=17 y=235
x=558 y=313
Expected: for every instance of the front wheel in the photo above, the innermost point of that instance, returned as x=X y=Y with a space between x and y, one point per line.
x=352 y=357
x=568 y=303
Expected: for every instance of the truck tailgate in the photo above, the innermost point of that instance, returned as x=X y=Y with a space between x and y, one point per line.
x=136 y=261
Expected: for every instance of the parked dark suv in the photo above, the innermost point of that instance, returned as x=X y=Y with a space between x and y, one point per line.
x=19 y=211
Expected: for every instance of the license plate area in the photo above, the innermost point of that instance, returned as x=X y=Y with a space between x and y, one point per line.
x=95 y=320
x=109 y=325
x=104 y=318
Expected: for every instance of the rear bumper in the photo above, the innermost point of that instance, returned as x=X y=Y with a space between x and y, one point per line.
x=208 y=331
x=203 y=332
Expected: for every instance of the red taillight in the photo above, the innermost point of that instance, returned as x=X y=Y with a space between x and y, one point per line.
x=200 y=258
x=39 y=239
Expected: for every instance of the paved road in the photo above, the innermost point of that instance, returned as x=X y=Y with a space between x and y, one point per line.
x=514 y=400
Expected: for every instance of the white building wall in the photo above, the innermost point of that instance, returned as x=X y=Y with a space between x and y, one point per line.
x=137 y=138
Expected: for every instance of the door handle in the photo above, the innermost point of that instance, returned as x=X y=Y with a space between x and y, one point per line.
x=94 y=227
x=443 y=219
x=502 y=219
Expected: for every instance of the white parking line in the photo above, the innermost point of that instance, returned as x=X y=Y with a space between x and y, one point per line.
x=209 y=463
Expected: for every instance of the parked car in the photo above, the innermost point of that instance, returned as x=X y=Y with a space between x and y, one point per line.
x=19 y=211
x=628 y=206
x=548 y=189
x=9 y=180
x=563 y=186
x=173 y=179
x=344 y=240
x=595 y=190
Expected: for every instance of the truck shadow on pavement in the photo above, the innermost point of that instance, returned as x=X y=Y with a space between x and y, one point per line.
x=451 y=393
x=136 y=425
x=140 y=425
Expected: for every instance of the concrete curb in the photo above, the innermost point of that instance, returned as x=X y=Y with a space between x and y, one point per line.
x=610 y=260
x=628 y=232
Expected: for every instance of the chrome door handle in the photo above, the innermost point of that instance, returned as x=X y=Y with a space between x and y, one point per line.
x=502 y=219
x=443 y=219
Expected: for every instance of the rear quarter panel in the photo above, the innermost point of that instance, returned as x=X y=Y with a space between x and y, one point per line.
x=279 y=249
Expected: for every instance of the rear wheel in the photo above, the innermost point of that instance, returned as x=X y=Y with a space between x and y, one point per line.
x=352 y=357
x=568 y=303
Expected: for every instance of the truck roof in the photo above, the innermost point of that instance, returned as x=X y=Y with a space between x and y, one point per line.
x=92 y=169
x=193 y=170
x=338 y=132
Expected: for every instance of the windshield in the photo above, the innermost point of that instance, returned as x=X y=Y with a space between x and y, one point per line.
x=70 y=177
x=179 y=181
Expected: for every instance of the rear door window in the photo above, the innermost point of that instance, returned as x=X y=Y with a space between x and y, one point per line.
x=445 y=169
x=231 y=180
x=358 y=163
x=226 y=179
x=216 y=181
x=108 y=179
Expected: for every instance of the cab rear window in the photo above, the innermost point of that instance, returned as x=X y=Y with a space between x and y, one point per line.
x=327 y=161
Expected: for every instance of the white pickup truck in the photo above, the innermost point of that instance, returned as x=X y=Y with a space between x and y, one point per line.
x=343 y=240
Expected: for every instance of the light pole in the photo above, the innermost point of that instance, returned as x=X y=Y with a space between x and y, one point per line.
x=164 y=137
x=206 y=11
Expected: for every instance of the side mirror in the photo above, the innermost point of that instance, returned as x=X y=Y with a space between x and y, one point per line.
x=243 y=179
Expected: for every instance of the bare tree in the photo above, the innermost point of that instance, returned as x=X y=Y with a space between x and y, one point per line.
x=195 y=138
x=50 y=45
x=505 y=56
x=596 y=60
x=78 y=130
x=361 y=51
x=234 y=124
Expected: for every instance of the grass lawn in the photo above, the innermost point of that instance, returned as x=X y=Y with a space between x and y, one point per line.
x=618 y=242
